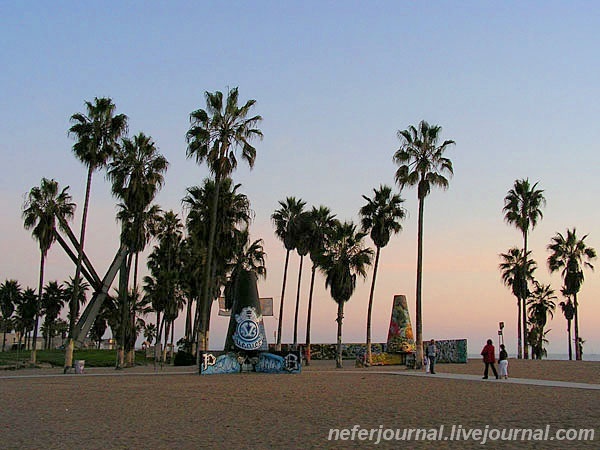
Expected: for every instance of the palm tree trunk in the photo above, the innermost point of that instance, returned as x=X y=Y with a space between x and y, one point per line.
x=419 y=318
x=188 y=321
x=340 y=318
x=569 y=334
x=285 y=268
x=37 y=313
x=519 y=332
x=524 y=303
x=309 y=314
x=172 y=339
x=203 y=335
x=576 y=317
x=74 y=307
x=370 y=307
x=124 y=297
x=297 y=302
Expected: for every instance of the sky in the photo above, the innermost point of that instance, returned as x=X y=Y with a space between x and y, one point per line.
x=514 y=84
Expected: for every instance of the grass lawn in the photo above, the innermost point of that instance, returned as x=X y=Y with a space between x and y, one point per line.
x=93 y=358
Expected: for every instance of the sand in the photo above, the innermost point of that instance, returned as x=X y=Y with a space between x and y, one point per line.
x=177 y=409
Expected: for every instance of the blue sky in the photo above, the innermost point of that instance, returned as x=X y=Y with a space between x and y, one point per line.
x=515 y=84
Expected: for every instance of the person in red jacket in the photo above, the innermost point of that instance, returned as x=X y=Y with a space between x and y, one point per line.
x=489 y=358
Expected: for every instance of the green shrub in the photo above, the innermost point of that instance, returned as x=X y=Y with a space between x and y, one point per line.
x=184 y=359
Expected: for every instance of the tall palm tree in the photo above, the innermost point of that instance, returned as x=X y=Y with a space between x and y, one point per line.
x=10 y=295
x=234 y=212
x=343 y=259
x=523 y=209
x=137 y=175
x=568 y=311
x=162 y=288
x=302 y=226
x=40 y=210
x=515 y=276
x=572 y=255
x=381 y=217
x=283 y=219
x=422 y=163
x=96 y=132
x=214 y=136
x=322 y=223
x=540 y=305
x=53 y=301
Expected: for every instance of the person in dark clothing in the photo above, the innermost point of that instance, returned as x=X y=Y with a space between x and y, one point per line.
x=489 y=358
x=431 y=354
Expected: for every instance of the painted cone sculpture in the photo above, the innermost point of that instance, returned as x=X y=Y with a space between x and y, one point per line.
x=246 y=331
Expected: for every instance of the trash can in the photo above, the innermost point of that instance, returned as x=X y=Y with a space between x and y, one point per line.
x=79 y=365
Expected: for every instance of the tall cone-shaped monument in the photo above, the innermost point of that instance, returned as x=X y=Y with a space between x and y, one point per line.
x=246 y=347
x=246 y=327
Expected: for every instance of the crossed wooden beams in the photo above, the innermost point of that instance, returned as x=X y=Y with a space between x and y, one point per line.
x=100 y=286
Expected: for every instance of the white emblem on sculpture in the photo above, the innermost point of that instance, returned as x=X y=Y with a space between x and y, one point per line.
x=247 y=334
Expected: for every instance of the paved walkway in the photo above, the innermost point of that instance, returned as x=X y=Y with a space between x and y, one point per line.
x=170 y=370
x=528 y=381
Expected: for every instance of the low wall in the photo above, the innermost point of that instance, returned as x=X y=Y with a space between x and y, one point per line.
x=449 y=351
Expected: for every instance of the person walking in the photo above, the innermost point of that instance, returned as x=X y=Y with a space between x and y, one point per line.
x=431 y=354
x=503 y=362
x=489 y=358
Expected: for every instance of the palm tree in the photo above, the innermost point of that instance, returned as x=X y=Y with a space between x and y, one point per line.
x=96 y=132
x=380 y=217
x=82 y=289
x=26 y=310
x=150 y=332
x=214 y=136
x=40 y=210
x=342 y=260
x=53 y=301
x=540 y=305
x=98 y=329
x=515 y=276
x=572 y=255
x=10 y=294
x=523 y=209
x=422 y=163
x=137 y=175
x=234 y=212
x=568 y=311
x=322 y=222
x=283 y=219
x=302 y=230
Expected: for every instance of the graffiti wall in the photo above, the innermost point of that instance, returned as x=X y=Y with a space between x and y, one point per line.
x=450 y=351
x=231 y=362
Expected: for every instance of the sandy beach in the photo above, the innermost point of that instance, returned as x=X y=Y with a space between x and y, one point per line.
x=174 y=408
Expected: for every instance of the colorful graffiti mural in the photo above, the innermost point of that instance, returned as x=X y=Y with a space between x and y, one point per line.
x=212 y=363
x=400 y=334
x=450 y=350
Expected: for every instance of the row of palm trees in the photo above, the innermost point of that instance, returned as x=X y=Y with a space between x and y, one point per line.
x=215 y=136
x=337 y=249
x=19 y=307
x=569 y=254
x=213 y=242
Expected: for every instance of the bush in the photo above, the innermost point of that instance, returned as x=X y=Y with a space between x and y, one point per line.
x=184 y=359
